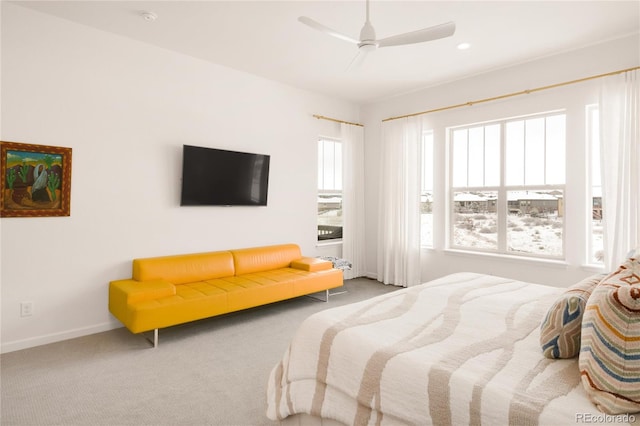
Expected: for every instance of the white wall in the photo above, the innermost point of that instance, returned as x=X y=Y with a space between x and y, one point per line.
x=126 y=108
x=606 y=57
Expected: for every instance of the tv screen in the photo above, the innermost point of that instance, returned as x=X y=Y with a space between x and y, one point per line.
x=217 y=177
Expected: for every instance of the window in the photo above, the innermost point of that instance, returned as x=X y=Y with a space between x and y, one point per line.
x=329 y=189
x=426 y=191
x=507 y=186
x=595 y=232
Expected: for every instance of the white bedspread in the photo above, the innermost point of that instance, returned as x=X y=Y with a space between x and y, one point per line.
x=462 y=349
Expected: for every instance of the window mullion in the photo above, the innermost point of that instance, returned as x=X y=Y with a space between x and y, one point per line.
x=524 y=152
x=502 y=203
x=544 y=151
x=468 y=158
x=484 y=153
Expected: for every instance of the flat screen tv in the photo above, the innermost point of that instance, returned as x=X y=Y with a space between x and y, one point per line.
x=217 y=177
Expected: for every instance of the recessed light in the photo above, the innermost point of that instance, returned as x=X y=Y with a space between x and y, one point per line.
x=463 y=46
x=149 y=16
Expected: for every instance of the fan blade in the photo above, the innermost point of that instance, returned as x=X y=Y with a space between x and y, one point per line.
x=358 y=60
x=419 y=36
x=318 y=26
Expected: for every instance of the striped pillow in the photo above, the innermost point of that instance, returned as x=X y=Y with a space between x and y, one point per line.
x=560 y=330
x=610 y=353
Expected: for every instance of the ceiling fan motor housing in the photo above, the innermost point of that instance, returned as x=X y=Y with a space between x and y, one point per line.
x=368 y=37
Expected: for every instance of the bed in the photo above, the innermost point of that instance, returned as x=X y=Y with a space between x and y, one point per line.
x=462 y=349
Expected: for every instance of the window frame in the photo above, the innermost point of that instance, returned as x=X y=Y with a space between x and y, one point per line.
x=501 y=189
x=326 y=233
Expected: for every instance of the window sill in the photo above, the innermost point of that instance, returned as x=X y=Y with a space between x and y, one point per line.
x=593 y=267
x=329 y=243
x=505 y=257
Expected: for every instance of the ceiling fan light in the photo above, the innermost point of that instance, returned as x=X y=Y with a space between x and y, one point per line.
x=463 y=46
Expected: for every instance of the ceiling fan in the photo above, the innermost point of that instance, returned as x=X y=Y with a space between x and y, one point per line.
x=368 y=42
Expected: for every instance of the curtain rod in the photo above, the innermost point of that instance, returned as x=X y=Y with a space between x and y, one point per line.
x=509 y=95
x=322 y=117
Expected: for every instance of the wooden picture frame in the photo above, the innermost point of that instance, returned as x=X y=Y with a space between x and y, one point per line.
x=35 y=180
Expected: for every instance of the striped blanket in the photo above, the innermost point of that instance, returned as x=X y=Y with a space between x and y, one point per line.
x=462 y=349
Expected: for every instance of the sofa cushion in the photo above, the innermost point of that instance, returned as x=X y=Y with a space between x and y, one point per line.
x=561 y=328
x=192 y=301
x=249 y=290
x=150 y=290
x=125 y=294
x=258 y=259
x=185 y=268
x=610 y=350
x=311 y=264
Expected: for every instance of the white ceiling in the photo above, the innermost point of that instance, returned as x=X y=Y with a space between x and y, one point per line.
x=265 y=38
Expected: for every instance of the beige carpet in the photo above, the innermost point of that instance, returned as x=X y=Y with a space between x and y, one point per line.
x=210 y=372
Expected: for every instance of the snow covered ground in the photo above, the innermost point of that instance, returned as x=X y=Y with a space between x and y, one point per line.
x=525 y=234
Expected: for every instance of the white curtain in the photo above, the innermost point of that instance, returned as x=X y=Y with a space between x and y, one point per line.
x=620 y=164
x=399 y=209
x=353 y=231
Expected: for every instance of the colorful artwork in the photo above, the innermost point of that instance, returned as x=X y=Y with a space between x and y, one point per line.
x=35 y=181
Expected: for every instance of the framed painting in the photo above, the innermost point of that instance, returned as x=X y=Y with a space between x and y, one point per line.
x=35 y=180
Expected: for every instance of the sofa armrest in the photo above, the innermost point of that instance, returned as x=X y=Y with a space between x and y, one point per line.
x=132 y=291
x=311 y=264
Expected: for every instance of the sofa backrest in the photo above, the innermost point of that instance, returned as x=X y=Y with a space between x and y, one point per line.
x=184 y=268
x=257 y=259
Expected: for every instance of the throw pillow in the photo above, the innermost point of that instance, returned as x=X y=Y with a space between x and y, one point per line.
x=560 y=330
x=610 y=352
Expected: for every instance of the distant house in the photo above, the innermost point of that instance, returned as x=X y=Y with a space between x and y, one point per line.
x=329 y=202
x=468 y=202
x=519 y=202
x=530 y=202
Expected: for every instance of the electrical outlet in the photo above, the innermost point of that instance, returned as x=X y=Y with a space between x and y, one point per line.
x=26 y=309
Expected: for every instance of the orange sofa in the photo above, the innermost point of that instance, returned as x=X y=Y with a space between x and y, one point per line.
x=171 y=290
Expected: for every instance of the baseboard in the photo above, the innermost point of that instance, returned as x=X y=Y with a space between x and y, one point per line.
x=31 y=342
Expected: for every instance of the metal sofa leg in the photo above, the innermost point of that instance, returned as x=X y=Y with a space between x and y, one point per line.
x=154 y=342
x=326 y=296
